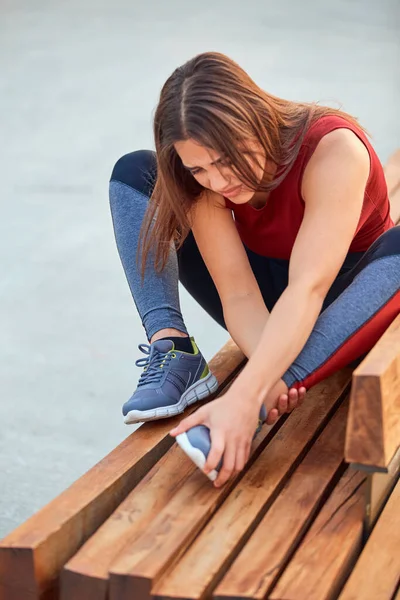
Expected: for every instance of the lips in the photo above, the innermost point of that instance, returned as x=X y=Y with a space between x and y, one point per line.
x=233 y=191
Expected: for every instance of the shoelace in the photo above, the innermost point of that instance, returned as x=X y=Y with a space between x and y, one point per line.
x=152 y=364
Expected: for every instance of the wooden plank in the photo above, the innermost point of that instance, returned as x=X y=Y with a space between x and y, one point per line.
x=143 y=565
x=373 y=433
x=379 y=486
x=171 y=531
x=324 y=558
x=377 y=572
x=86 y=574
x=269 y=549
x=31 y=557
x=12 y=593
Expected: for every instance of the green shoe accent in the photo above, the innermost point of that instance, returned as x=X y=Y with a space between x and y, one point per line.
x=205 y=372
x=195 y=348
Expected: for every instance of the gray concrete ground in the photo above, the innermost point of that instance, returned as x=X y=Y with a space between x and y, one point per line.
x=79 y=81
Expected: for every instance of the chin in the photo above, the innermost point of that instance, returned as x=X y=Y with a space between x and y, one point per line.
x=242 y=198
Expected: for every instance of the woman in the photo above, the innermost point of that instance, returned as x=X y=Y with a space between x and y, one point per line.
x=275 y=217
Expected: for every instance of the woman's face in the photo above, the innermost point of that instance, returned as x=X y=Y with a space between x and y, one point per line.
x=213 y=172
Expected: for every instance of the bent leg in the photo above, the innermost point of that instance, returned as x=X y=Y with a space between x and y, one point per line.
x=353 y=322
x=157 y=299
x=271 y=275
x=196 y=279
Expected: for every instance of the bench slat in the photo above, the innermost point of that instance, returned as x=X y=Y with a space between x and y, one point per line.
x=86 y=574
x=377 y=572
x=322 y=562
x=171 y=532
x=224 y=536
x=379 y=486
x=269 y=549
x=160 y=548
x=373 y=432
x=32 y=556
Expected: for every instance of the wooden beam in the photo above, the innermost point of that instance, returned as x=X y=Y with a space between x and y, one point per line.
x=142 y=566
x=86 y=574
x=32 y=556
x=171 y=532
x=266 y=554
x=324 y=559
x=373 y=432
x=377 y=572
x=378 y=489
x=13 y=593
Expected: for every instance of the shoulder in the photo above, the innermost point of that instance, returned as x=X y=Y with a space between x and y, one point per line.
x=342 y=150
x=205 y=206
x=209 y=200
x=339 y=141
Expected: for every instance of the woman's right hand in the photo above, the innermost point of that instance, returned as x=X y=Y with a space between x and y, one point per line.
x=286 y=403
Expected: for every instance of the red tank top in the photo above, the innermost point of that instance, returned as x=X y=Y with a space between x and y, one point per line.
x=272 y=230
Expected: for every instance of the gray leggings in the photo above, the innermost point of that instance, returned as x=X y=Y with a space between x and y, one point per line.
x=362 y=302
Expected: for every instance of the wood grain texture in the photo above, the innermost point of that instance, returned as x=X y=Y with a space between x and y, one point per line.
x=32 y=556
x=324 y=558
x=377 y=572
x=373 y=433
x=379 y=486
x=269 y=549
x=13 y=593
x=86 y=574
x=174 y=528
x=226 y=532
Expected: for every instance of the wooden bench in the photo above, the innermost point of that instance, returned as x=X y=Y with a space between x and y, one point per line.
x=308 y=519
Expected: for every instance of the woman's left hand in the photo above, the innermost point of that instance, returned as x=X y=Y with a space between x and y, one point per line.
x=232 y=422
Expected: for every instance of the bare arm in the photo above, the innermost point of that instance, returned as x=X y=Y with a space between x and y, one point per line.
x=219 y=243
x=333 y=189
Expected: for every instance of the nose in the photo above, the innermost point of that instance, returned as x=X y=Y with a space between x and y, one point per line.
x=218 y=182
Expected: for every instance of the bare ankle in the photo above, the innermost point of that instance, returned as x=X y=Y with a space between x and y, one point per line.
x=164 y=333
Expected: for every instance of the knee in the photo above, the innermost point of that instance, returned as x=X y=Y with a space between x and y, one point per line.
x=138 y=170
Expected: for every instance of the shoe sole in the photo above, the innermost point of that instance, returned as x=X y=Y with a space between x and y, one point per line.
x=197 y=391
x=195 y=455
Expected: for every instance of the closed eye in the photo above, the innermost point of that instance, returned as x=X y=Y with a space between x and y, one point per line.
x=222 y=161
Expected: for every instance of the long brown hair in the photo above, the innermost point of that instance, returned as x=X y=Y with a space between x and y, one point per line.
x=213 y=101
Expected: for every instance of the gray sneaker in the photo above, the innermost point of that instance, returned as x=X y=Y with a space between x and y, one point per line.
x=171 y=380
x=196 y=443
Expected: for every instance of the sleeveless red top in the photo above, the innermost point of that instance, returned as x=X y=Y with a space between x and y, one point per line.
x=271 y=230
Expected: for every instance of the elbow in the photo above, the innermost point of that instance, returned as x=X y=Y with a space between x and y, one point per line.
x=238 y=296
x=314 y=289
